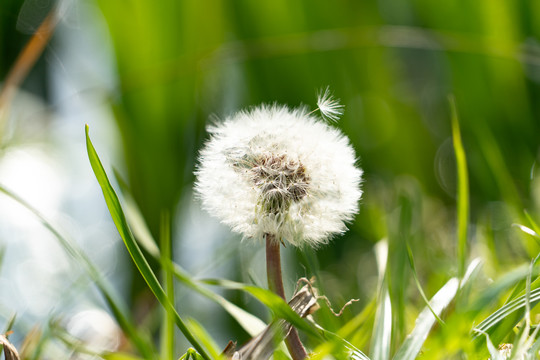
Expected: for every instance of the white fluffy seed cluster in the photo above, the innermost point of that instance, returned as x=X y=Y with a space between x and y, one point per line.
x=273 y=170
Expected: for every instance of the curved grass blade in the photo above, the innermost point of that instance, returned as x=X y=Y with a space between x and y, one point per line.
x=136 y=220
x=140 y=261
x=334 y=343
x=116 y=305
x=517 y=304
x=501 y=285
x=249 y=322
x=274 y=302
x=413 y=343
x=419 y=286
x=533 y=223
x=350 y=328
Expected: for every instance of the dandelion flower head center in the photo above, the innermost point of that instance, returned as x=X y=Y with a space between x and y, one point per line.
x=280 y=179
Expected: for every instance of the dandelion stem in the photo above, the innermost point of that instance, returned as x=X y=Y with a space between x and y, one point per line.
x=275 y=284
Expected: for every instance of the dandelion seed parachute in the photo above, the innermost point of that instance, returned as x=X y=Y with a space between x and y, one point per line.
x=275 y=170
x=329 y=107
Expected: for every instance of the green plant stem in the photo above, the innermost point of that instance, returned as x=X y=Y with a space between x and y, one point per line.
x=275 y=284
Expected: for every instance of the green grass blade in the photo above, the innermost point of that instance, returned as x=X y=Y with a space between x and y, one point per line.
x=335 y=342
x=533 y=223
x=116 y=306
x=205 y=339
x=136 y=220
x=382 y=332
x=497 y=288
x=353 y=327
x=249 y=322
x=167 y=338
x=501 y=314
x=495 y=355
x=419 y=286
x=528 y=231
x=190 y=355
x=534 y=349
x=275 y=303
x=462 y=190
x=140 y=261
x=413 y=344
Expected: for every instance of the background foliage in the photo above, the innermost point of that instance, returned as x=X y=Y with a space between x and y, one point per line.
x=393 y=65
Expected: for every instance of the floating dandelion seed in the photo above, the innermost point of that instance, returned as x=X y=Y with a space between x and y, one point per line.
x=273 y=170
x=329 y=107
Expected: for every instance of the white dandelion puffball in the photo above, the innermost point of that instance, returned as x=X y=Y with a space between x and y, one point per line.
x=273 y=170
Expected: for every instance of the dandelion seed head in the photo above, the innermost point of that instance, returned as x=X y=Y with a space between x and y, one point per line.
x=329 y=107
x=275 y=170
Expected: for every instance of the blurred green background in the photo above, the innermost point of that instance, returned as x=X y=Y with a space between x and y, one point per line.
x=393 y=64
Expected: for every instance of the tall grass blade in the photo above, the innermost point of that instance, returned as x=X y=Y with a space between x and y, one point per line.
x=118 y=308
x=249 y=322
x=140 y=261
x=382 y=332
x=413 y=343
x=525 y=339
x=462 y=190
x=167 y=338
x=136 y=220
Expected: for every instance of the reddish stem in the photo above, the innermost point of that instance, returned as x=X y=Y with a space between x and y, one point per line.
x=275 y=284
